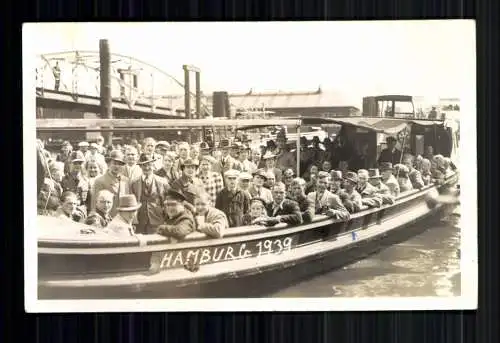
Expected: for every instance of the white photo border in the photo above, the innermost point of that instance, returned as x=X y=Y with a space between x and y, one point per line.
x=469 y=270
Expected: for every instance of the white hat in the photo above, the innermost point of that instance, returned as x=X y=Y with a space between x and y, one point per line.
x=83 y=144
x=232 y=173
x=245 y=176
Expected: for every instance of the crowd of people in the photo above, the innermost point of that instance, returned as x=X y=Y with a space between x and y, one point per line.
x=174 y=189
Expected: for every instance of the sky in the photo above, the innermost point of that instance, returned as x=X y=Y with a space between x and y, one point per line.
x=421 y=58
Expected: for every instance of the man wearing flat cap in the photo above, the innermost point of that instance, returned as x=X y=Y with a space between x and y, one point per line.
x=233 y=201
x=162 y=147
x=77 y=182
x=369 y=194
x=391 y=153
x=243 y=164
x=150 y=190
x=113 y=180
x=226 y=161
x=178 y=221
x=183 y=156
x=188 y=184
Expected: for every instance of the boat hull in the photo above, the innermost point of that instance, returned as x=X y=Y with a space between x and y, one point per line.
x=325 y=247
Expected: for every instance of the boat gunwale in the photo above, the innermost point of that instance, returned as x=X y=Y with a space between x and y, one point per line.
x=261 y=232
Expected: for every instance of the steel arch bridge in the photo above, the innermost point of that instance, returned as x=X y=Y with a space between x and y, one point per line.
x=73 y=77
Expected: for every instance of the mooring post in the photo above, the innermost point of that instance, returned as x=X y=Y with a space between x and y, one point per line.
x=105 y=90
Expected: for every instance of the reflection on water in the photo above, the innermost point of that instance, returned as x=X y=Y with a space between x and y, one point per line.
x=425 y=265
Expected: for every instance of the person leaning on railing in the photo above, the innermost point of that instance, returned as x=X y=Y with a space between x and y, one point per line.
x=382 y=190
x=369 y=194
x=179 y=221
x=325 y=202
x=209 y=220
x=306 y=205
x=349 y=196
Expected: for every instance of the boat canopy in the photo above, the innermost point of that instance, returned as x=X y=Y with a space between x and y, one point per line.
x=376 y=124
x=153 y=124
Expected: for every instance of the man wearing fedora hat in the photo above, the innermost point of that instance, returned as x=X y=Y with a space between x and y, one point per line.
x=348 y=194
x=391 y=153
x=76 y=182
x=188 y=184
x=149 y=190
x=257 y=189
x=178 y=221
x=113 y=180
x=122 y=224
x=233 y=201
x=388 y=178
x=382 y=190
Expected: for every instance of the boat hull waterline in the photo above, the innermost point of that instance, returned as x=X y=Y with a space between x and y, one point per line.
x=248 y=265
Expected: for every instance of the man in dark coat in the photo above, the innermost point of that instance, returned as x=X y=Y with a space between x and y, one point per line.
x=234 y=202
x=179 y=222
x=282 y=210
x=391 y=153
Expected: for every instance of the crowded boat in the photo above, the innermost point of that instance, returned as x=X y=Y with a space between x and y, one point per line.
x=176 y=188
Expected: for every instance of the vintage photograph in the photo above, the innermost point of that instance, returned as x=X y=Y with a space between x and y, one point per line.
x=266 y=163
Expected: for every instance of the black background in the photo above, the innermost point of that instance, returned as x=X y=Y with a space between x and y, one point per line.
x=431 y=326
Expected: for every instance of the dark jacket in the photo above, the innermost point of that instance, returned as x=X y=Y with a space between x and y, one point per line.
x=289 y=211
x=178 y=227
x=306 y=206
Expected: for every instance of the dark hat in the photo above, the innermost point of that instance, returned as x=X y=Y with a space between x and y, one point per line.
x=174 y=195
x=116 y=155
x=386 y=166
x=77 y=156
x=260 y=200
x=190 y=162
x=374 y=173
x=260 y=172
x=204 y=146
x=128 y=203
x=391 y=139
x=351 y=176
x=236 y=145
x=146 y=158
x=224 y=143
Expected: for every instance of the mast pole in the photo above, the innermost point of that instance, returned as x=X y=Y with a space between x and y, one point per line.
x=297 y=142
x=105 y=89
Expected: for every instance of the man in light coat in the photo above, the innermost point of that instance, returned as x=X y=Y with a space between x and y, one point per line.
x=326 y=202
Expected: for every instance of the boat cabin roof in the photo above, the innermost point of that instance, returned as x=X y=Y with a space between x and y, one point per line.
x=376 y=124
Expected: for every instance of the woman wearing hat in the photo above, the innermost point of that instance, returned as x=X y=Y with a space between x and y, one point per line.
x=270 y=166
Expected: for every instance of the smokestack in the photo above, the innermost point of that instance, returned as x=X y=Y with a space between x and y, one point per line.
x=220 y=105
x=105 y=74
